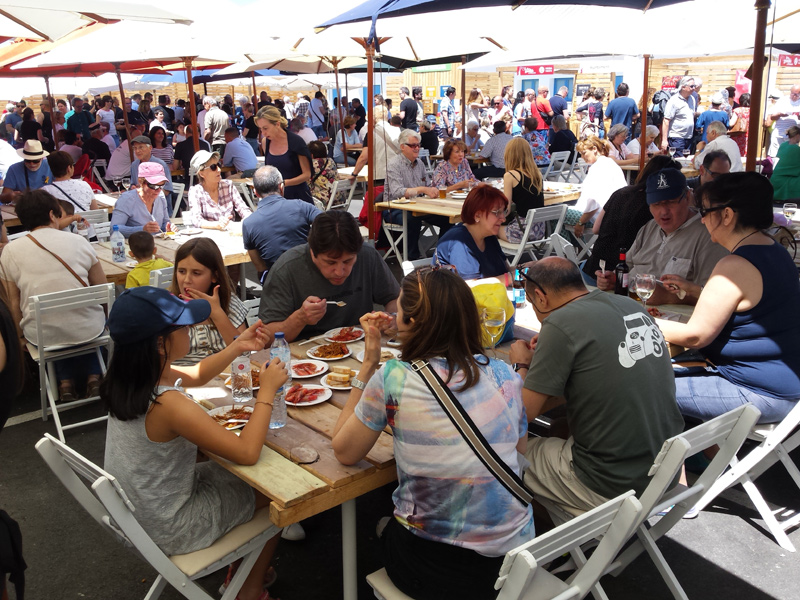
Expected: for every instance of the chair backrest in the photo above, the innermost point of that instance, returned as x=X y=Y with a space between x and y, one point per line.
x=579 y=169
x=161 y=278
x=341 y=187
x=558 y=162
x=409 y=266
x=244 y=190
x=252 y=310
x=564 y=249
x=55 y=302
x=95 y=217
x=546 y=215
x=523 y=576
x=177 y=188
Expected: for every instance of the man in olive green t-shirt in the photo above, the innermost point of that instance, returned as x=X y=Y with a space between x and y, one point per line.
x=605 y=357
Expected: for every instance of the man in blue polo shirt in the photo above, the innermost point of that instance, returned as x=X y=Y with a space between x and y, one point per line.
x=623 y=109
x=239 y=153
x=277 y=224
x=30 y=174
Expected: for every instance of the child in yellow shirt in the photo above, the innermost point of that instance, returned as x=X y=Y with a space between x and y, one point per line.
x=142 y=247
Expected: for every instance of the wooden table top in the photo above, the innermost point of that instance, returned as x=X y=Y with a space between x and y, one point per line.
x=9 y=212
x=230 y=244
x=347 y=172
x=301 y=491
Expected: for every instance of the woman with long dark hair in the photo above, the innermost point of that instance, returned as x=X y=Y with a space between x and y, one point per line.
x=453 y=521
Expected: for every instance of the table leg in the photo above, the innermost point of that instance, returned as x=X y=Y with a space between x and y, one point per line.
x=405 y=236
x=349 y=566
x=242 y=282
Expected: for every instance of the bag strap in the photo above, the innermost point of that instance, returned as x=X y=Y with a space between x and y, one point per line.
x=59 y=259
x=472 y=435
x=70 y=198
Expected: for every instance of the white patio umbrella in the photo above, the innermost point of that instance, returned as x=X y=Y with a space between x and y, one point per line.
x=50 y=21
x=130 y=83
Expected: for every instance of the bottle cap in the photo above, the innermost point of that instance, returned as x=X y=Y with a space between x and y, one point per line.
x=115 y=228
x=279 y=334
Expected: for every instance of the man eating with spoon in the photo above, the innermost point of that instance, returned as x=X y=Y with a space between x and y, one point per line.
x=334 y=266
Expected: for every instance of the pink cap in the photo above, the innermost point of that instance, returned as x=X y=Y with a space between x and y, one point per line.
x=152 y=172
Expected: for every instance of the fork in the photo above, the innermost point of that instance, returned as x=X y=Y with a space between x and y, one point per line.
x=340 y=304
x=603 y=266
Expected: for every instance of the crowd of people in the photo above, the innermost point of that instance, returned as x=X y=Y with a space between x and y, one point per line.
x=705 y=240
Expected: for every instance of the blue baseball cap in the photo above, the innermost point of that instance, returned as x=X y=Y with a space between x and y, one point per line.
x=667 y=184
x=143 y=312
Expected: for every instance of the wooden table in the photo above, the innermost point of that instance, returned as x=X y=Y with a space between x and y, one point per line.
x=557 y=192
x=9 y=211
x=448 y=207
x=687 y=169
x=301 y=491
x=347 y=172
x=230 y=244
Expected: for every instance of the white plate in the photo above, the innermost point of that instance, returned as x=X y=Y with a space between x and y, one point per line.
x=320 y=365
x=329 y=335
x=131 y=264
x=395 y=352
x=326 y=394
x=310 y=353
x=324 y=381
x=190 y=231
x=228 y=384
x=459 y=195
x=221 y=410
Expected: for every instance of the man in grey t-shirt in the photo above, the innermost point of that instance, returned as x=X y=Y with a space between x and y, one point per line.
x=334 y=265
x=604 y=357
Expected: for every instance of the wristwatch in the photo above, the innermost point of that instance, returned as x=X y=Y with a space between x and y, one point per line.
x=358 y=384
x=518 y=366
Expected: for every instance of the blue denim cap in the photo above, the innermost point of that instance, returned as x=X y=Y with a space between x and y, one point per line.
x=145 y=311
x=667 y=184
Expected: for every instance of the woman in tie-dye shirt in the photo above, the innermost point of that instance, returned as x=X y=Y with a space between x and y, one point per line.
x=453 y=521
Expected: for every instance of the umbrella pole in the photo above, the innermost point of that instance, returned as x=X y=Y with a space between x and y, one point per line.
x=463 y=102
x=335 y=62
x=643 y=114
x=253 y=79
x=373 y=227
x=124 y=112
x=762 y=7
x=52 y=108
x=187 y=62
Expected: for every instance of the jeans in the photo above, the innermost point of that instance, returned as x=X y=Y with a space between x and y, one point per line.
x=351 y=162
x=414 y=228
x=709 y=396
x=318 y=130
x=679 y=144
x=70 y=368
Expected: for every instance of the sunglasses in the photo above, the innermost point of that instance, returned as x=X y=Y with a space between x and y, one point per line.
x=33 y=162
x=524 y=273
x=213 y=166
x=704 y=211
x=496 y=103
x=413 y=146
x=155 y=186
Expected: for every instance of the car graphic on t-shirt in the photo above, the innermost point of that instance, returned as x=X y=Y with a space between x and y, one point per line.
x=643 y=337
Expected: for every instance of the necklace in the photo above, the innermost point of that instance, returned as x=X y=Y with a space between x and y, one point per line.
x=743 y=239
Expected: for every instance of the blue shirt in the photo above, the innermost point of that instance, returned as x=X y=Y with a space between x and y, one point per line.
x=351 y=139
x=278 y=225
x=131 y=214
x=135 y=172
x=16 y=180
x=708 y=117
x=458 y=248
x=12 y=119
x=240 y=154
x=558 y=105
x=621 y=110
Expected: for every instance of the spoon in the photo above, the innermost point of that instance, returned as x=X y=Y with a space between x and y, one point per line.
x=340 y=304
x=603 y=266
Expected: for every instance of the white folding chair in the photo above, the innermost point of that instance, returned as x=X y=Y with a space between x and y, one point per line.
x=99 y=220
x=425 y=156
x=252 y=310
x=728 y=431
x=558 y=162
x=105 y=500
x=98 y=178
x=177 y=188
x=161 y=278
x=247 y=195
x=409 y=266
x=776 y=442
x=578 y=169
x=585 y=246
x=394 y=243
x=46 y=354
x=564 y=249
x=345 y=188
x=523 y=574
x=540 y=215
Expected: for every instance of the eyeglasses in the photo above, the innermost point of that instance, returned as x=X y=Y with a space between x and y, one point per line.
x=500 y=213
x=496 y=103
x=713 y=174
x=212 y=166
x=155 y=186
x=413 y=146
x=33 y=162
x=524 y=273
x=704 y=211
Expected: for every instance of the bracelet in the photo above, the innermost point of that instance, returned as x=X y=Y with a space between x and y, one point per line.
x=264 y=402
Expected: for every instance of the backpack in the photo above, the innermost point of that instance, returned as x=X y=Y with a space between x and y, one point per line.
x=660 y=100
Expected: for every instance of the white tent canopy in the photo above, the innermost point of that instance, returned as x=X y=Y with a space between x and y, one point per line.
x=14 y=88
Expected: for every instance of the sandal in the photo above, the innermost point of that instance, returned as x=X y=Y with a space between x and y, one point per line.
x=93 y=386
x=66 y=392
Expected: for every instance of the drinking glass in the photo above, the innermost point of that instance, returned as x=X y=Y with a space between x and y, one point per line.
x=117 y=182
x=644 y=285
x=672 y=151
x=126 y=183
x=493 y=321
x=789 y=209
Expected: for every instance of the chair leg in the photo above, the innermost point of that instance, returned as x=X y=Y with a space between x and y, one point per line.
x=43 y=383
x=661 y=564
x=51 y=382
x=774 y=526
x=156 y=589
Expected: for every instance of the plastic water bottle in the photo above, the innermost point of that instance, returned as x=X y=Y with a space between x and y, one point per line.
x=241 y=379
x=280 y=349
x=117 y=245
x=519 y=289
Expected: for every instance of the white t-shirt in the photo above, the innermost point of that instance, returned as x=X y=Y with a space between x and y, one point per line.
x=108 y=116
x=785 y=105
x=35 y=271
x=109 y=141
x=316 y=113
x=634 y=146
x=603 y=179
x=76 y=192
x=120 y=163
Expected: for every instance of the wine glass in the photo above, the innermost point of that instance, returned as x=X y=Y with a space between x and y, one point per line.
x=789 y=209
x=672 y=151
x=117 y=182
x=493 y=321
x=644 y=285
x=126 y=183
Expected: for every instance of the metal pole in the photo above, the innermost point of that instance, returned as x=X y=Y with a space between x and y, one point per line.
x=335 y=62
x=255 y=93
x=187 y=62
x=51 y=103
x=643 y=114
x=463 y=101
x=762 y=7
x=373 y=227
x=124 y=113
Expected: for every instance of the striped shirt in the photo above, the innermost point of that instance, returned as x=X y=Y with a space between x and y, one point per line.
x=204 y=210
x=205 y=339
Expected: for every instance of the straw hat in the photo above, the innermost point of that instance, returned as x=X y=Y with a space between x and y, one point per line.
x=32 y=150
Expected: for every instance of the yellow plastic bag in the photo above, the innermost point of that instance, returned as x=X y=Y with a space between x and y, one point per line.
x=490 y=293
